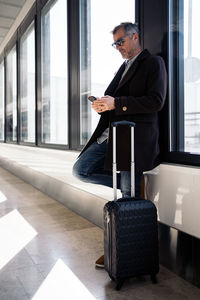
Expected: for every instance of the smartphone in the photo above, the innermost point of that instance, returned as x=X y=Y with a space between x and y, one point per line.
x=92 y=98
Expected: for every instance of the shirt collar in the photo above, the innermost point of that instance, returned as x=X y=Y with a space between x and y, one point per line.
x=129 y=62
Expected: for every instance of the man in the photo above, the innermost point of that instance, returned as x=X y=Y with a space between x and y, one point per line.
x=136 y=93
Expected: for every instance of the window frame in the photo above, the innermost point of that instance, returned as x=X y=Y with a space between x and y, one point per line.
x=40 y=6
x=2 y=60
x=85 y=115
x=28 y=20
x=176 y=98
x=157 y=23
x=11 y=44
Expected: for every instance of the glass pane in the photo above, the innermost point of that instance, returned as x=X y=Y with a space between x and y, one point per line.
x=99 y=61
x=1 y=101
x=192 y=76
x=184 y=74
x=11 y=97
x=27 y=86
x=54 y=108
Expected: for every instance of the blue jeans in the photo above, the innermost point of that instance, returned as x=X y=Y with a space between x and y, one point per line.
x=90 y=168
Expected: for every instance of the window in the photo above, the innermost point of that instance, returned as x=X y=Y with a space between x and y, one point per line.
x=11 y=96
x=98 y=60
x=27 y=86
x=184 y=60
x=54 y=105
x=2 y=101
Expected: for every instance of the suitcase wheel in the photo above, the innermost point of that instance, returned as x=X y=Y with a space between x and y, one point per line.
x=119 y=284
x=153 y=278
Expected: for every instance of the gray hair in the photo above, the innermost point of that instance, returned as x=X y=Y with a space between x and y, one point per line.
x=129 y=28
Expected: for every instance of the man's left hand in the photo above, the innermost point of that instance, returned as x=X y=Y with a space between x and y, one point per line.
x=104 y=103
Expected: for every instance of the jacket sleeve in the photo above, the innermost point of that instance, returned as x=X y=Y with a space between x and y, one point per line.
x=153 y=97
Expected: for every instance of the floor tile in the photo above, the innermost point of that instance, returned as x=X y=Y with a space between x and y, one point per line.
x=11 y=287
x=13 y=293
x=31 y=279
x=21 y=260
x=50 y=247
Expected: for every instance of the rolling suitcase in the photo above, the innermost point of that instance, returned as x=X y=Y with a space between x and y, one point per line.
x=130 y=229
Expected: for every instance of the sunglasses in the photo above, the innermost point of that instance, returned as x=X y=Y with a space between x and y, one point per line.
x=120 y=41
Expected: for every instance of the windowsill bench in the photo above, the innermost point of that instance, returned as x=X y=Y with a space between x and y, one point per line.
x=50 y=171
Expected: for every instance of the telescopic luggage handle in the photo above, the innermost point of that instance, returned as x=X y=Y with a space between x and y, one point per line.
x=115 y=125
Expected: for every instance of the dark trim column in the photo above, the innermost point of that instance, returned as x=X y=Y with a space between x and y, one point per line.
x=74 y=73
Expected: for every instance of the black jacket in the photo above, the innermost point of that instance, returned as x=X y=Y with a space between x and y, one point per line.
x=138 y=98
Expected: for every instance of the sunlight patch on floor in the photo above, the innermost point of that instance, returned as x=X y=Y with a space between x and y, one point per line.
x=2 y=197
x=15 y=234
x=61 y=283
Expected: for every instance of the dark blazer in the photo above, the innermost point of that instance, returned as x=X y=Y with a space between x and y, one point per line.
x=138 y=97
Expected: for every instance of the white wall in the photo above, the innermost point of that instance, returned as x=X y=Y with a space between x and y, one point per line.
x=175 y=190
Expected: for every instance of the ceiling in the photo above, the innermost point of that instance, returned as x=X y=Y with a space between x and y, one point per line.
x=9 y=10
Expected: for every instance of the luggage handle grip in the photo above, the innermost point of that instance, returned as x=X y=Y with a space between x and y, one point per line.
x=119 y=123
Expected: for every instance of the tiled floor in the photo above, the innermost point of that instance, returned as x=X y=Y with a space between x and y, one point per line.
x=47 y=252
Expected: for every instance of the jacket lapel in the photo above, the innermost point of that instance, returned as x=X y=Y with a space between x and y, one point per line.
x=115 y=82
x=133 y=68
x=129 y=74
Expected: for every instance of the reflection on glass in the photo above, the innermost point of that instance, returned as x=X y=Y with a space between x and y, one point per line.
x=27 y=86
x=11 y=97
x=191 y=76
x=1 y=101
x=98 y=60
x=54 y=73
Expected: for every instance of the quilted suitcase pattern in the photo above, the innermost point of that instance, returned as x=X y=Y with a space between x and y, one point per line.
x=130 y=238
